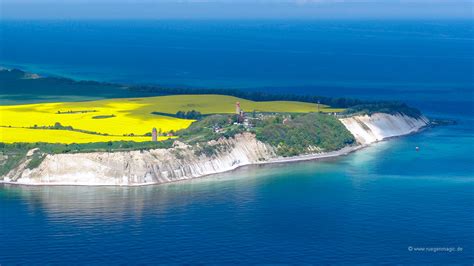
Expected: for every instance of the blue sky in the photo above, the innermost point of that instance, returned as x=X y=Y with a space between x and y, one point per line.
x=235 y=9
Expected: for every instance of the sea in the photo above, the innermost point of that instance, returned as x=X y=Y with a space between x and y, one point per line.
x=385 y=204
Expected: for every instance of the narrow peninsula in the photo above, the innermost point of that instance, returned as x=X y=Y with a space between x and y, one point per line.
x=175 y=135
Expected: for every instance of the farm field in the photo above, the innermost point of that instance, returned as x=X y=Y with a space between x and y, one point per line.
x=12 y=135
x=123 y=118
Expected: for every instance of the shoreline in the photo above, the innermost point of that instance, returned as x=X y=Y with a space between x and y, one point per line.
x=278 y=160
x=275 y=160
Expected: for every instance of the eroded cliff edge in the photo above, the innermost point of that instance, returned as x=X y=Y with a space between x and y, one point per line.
x=379 y=126
x=183 y=162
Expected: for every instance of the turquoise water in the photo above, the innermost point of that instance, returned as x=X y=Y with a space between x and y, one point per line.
x=378 y=205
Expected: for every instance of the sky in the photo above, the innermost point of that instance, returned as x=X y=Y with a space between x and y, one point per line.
x=235 y=9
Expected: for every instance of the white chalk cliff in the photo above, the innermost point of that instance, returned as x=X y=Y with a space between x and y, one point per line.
x=142 y=167
x=369 y=129
x=182 y=162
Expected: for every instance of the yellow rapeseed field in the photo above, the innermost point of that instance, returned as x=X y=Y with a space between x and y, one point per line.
x=120 y=117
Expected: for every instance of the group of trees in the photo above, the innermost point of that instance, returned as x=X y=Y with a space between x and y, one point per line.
x=59 y=126
x=383 y=107
x=53 y=148
x=76 y=112
x=193 y=114
x=304 y=131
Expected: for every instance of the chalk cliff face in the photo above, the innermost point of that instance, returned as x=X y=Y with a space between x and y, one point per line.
x=183 y=162
x=369 y=129
x=143 y=167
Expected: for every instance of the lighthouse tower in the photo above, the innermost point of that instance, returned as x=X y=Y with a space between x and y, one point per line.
x=237 y=108
x=154 y=134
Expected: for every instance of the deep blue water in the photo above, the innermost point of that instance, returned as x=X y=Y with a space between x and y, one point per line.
x=370 y=206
